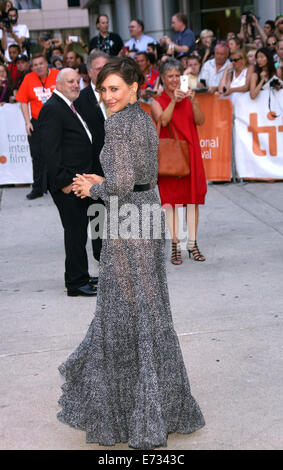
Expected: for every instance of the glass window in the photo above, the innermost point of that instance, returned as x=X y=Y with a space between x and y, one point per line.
x=27 y=4
x=73 y=3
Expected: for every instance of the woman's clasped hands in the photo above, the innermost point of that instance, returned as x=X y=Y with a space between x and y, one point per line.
x=82 y=184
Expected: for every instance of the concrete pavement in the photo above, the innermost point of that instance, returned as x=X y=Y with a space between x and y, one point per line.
x=228 y=313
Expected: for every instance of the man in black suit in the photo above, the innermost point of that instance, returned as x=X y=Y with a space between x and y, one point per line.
x=66 y=145
x=94 y=114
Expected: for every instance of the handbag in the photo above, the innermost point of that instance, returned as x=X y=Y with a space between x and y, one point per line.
x=173 y=154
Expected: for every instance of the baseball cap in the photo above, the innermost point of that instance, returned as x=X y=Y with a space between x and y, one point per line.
x=22 y=57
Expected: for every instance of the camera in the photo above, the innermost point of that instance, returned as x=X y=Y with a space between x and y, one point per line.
x=6 y=23
x=275 y=82
x=249 y=17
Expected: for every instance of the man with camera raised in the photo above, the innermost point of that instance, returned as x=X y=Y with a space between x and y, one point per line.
x=13 y=33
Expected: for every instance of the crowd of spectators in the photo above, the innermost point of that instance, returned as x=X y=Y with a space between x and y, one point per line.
x=246 y=60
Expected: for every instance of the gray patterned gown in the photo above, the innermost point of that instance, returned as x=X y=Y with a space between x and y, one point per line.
x=126 y=381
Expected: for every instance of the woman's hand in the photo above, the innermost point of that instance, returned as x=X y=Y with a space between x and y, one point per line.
x=83 y=183
x=81 y=186
x=228 y=92
x=94 y=179
x=179 y=95
x=191 y=94
x=263 y=75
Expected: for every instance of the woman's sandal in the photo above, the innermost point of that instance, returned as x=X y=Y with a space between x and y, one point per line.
x=176 y=256
x=193 y=250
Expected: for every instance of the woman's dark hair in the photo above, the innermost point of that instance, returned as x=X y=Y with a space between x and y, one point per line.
x=270 y=63
x=124 y=67
x=10 y=82
x=271 y=24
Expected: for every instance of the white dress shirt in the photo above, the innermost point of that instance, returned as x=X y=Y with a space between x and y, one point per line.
x=210 y=74
x=139 y=44
x=69 y=103
x=101 y=104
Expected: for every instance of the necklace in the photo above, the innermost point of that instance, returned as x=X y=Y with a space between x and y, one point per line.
x=44 y=83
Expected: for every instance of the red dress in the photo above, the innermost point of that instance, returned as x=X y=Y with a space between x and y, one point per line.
x=187 y=189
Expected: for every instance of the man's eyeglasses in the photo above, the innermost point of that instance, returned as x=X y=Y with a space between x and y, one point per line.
x=271 y=43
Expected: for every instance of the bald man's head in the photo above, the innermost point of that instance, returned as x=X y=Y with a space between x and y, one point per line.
x=68 y=83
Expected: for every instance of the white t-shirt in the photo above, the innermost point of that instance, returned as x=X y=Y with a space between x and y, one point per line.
x=210 y=74
x=21 y=30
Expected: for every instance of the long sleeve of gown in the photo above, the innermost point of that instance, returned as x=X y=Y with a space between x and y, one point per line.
x=118 y=163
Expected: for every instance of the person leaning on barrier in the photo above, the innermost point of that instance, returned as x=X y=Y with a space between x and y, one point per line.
x=184 y=112
x=212 y=71
x=264 y=73
x=6 y=86
x=236 y=77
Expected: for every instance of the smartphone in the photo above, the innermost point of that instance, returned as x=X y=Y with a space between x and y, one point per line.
x=125 y=50
x=184 y=83
x=74 y=38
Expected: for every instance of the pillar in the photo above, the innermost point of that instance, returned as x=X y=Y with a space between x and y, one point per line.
x=153 y=18
x=123 y=18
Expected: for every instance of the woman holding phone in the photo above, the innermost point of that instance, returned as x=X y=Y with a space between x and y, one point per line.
x=182 y=110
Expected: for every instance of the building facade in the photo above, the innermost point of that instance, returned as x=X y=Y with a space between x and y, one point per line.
x=221 y=16
x=63 y=18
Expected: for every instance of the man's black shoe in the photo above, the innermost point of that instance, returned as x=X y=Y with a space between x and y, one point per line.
x=33 y=195
x=86 y=291
x=93 y=281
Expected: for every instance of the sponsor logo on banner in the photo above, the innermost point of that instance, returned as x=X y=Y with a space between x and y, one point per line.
x=258 y=135
x=207 y=146
x=271 y=131
x=215 y=137
x=15 y=159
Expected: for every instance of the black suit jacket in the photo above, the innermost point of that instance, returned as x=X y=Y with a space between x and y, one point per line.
x=89 y=109
x=65 y=145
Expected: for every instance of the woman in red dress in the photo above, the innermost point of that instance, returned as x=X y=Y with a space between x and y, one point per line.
x=183 y=110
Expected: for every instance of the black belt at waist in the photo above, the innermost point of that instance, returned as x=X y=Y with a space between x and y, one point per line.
x=141 y=187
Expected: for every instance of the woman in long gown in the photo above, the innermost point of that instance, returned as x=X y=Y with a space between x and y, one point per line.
x=126 y=381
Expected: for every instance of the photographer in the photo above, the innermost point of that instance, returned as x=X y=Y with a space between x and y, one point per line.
x=265 y=73
x=12 y=33
x=249 y=23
